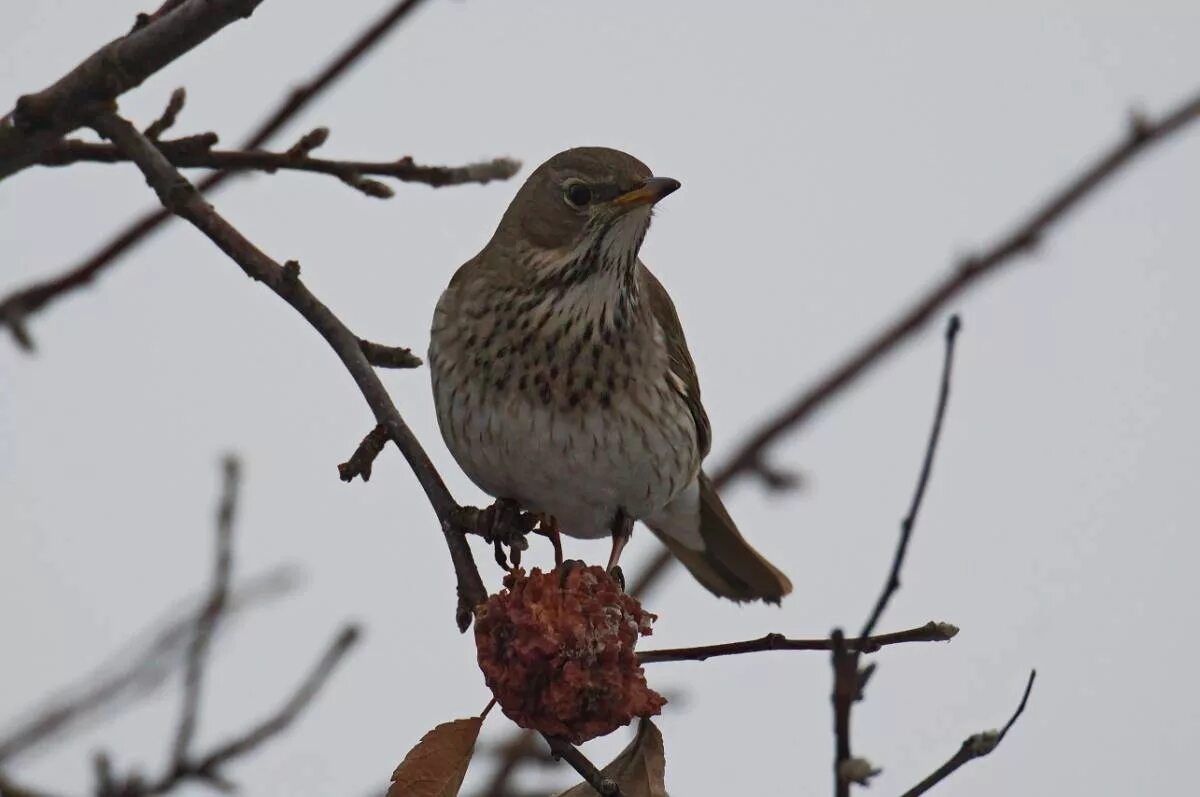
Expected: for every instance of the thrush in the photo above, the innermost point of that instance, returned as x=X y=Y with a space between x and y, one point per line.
x=563 y=382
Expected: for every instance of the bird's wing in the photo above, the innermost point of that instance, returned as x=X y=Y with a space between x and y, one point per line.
x=682 y=374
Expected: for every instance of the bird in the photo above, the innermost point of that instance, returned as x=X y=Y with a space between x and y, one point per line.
x=563 y=383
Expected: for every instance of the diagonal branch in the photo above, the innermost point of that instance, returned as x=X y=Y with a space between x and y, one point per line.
x=41 y=119
x=974 y=746
x=1140 y=137
x=18 y=306
x=185 y=154
x=184 y=200
x=906 y=525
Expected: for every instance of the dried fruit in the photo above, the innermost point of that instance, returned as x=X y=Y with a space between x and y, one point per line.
x=557 y=651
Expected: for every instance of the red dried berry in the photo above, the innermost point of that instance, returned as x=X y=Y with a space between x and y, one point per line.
x=558 y=653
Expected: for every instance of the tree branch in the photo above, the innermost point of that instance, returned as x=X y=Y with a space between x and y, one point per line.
x=974 y=746
x=214 y=608
x=561 y=748
x=41 y=119
x=184 y=153
x=930 y=632
x=19 y=305
x=182 y=198
x=906 y=525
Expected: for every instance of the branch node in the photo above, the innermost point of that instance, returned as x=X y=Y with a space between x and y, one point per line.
x=857 y=770
x=308 y=142
x=291 y=272
x=363 y=458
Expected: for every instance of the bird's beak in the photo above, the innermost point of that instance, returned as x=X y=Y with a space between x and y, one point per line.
x=647 y=193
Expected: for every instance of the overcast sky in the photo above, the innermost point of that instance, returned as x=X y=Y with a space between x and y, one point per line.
x=835 y=158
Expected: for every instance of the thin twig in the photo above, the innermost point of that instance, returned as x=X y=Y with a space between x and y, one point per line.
x=974 y=746
x=214 y=608
x=182 y=198
x=906 y=525
x=561 y=748
x=19 y=305
x=187 y=156
x=164 y=122
x=930 y=632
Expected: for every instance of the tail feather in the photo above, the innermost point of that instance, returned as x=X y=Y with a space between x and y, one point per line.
x=727 y=565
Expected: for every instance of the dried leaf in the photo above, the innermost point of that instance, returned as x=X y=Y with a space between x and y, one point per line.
x=437 y=765
x=640 y=770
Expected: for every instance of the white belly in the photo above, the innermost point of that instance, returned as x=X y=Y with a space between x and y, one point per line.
x=580 y=465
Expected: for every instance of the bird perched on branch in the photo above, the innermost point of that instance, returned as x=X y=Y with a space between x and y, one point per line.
x=563 y=381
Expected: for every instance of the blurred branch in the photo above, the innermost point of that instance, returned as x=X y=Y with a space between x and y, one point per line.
x=561 y=748
x=930 y=632
x=19 y=305
x=39 y=120
x=185 y=154
x=183 y=765
x=134 y=673
x=974 y=746
x=206 y=623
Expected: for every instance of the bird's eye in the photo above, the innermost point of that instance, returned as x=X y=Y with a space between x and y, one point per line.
x=578 y=194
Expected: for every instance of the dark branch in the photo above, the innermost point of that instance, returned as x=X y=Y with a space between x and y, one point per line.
x=206 y=623
x=182 y=198
x=16 y=307
x=906 y=526
x=930 y=632
x=561 y=748
x=164 y=123
x=363 y=458
x=974 y=746
x=41 y=119
x=184 y=153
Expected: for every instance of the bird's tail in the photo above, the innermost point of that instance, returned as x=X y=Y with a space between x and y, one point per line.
x=698 y=530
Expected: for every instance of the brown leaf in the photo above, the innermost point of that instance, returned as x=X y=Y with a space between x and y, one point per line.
x=640 y=770
x=437 y=765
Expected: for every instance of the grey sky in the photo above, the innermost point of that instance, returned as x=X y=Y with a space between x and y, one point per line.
x=835 y=158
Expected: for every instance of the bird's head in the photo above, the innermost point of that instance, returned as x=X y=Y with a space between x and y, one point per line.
x=582 y=214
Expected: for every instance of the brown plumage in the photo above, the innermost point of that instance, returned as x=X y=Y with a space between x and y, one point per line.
x=563 y=381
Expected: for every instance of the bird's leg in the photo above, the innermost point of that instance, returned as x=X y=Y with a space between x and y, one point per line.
x=549 y=527
x=622 y=530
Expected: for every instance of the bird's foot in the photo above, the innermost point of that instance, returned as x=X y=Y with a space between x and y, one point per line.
x=617 y=575
x=548 y=527
x=504 y=524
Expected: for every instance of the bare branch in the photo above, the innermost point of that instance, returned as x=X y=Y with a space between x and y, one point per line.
x=214 y=608
x=561 y=748
x=930 y=632
x=135 y=672
x=906 y=526
x=40 y=119
x=182 y=198
x=16 y=307
x=974 y=746
x=184 y=154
